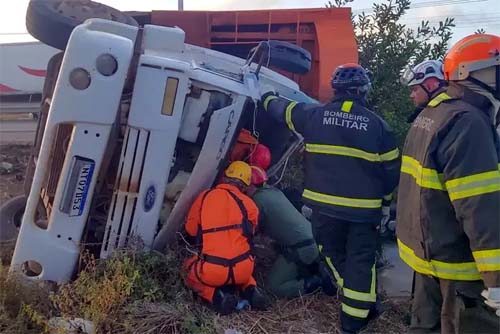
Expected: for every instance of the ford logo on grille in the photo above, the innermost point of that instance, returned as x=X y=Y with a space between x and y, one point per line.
x=149 y=198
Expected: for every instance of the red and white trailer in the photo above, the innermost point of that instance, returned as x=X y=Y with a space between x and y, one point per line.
x=23 y=67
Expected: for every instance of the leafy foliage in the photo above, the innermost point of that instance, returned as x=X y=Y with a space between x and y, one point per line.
x=386 y=46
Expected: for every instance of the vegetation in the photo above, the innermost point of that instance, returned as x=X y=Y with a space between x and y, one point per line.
x=142 y=293
x=386 y=46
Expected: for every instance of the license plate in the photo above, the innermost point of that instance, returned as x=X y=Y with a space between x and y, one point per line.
x=77 y=186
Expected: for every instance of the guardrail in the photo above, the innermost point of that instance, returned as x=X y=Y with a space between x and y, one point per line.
x=19 y=108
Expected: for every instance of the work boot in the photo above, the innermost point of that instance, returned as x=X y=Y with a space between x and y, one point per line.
x=312 y=283
x=350 y=327
x=224 y=302
x=257 y=298
x=376 y=311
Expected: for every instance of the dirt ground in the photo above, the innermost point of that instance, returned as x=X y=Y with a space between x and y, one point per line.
x=11 y=183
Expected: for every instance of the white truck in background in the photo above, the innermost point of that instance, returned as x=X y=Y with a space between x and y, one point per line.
x=133 y=124
x=23 y=67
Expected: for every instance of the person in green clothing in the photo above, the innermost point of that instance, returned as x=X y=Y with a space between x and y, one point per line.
x=298 y=270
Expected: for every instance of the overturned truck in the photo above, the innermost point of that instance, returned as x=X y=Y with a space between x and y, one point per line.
x=134 y=123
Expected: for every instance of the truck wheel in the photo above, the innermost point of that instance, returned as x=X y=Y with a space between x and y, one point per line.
x=288 y=57
x=11 y=216
x=52 y=21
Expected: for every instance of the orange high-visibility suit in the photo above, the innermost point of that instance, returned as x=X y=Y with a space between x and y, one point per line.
x=223 y=220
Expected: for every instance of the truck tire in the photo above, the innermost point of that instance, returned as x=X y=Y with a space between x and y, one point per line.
x=289 y=57
x=52 y=21
x=11 y=216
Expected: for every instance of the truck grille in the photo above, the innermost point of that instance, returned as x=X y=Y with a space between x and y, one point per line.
x=124 y=202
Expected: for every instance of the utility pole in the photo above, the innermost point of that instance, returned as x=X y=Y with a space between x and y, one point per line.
x=180 y=4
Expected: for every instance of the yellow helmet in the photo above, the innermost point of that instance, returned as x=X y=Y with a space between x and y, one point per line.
x=239 y=170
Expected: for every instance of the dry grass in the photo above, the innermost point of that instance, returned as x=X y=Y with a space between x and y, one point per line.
x=24 y=307
x=143 y=293
x=311 y=314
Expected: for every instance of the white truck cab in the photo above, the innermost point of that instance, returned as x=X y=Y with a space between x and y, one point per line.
x=137 y=124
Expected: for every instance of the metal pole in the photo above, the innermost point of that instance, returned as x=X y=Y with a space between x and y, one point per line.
x=180 y=4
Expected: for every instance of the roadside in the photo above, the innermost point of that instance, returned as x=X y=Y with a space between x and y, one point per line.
x=13 y=160
x=153 y=311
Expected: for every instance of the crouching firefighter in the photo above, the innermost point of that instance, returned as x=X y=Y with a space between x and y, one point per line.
x=222 y=221
x=351 y=167
x=297 y=269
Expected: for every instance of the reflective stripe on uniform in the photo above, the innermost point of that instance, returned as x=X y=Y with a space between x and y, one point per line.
x=338 y=278
x=268 y=100
x=351 y=152
x=342 y=201
x=465 y=271
x=363 y=296
x=473 y=185
x=288 y=115
x=391 y=155
x=346 y=106
x=438 y=99
x=355 y=312
x=424 y=177
x=487 y=260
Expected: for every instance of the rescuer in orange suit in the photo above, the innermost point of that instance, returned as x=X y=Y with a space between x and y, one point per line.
x=222 y=221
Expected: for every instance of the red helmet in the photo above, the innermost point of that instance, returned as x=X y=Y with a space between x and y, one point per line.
x=259 y=176
x=260 y=157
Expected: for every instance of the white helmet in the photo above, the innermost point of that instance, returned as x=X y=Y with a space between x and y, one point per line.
x=423 y=71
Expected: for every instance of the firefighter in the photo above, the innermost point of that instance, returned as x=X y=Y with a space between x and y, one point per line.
x=448 y=223
x=425 y=80
x=296 y=271
x=351 y=170
x=222 y=221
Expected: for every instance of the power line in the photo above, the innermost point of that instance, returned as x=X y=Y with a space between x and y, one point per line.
x=425 y=4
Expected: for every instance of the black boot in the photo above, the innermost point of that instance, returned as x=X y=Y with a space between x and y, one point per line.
x=312 y=283
x=376 y=311
x=256 y=297
x=224 y=302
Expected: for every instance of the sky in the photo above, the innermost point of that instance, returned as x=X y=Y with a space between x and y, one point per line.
x=469 y=14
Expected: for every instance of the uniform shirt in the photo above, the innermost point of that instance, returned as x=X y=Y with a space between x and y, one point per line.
x=352 y=160
x=448 y=223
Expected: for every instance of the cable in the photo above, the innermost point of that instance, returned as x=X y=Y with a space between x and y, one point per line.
x=424 y=5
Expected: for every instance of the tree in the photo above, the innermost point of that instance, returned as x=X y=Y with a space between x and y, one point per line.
x=386 y=46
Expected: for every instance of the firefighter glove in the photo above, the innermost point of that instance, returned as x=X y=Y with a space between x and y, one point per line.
x=386 y=215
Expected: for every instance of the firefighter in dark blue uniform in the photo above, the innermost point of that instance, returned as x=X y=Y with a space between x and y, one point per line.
x=351 y=169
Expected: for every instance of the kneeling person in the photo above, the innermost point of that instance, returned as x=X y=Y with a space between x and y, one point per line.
x=223 y=221
x=296 y=270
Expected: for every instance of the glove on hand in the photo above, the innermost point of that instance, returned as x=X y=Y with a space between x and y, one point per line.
x=386 y=215
x=492 y=299
x=306 y=212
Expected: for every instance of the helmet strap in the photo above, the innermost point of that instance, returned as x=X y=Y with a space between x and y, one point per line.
x=430 y=94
